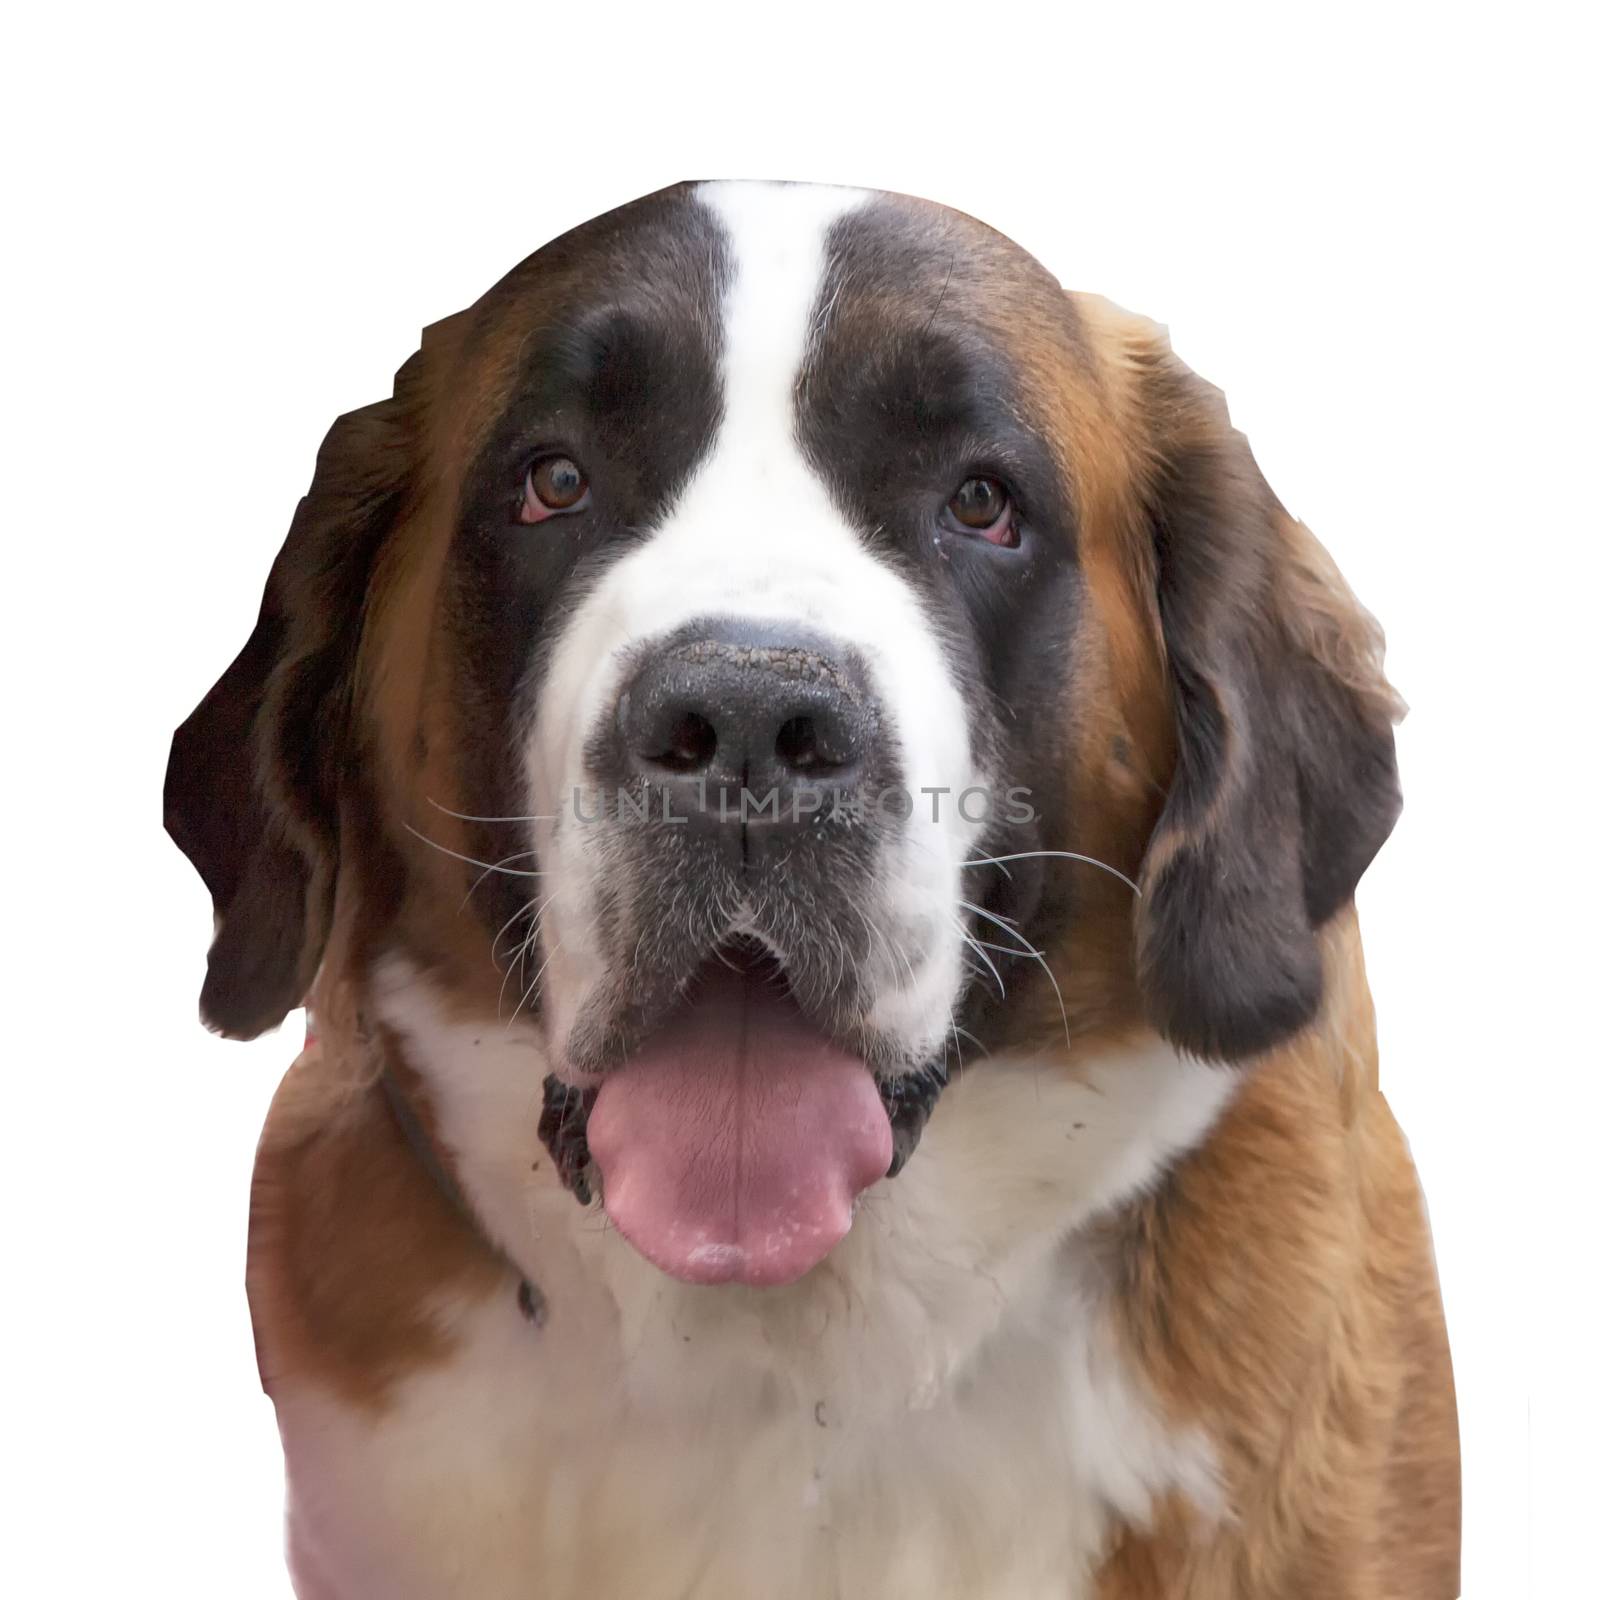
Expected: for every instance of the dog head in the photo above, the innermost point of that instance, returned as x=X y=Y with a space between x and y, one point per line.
x=778 y=627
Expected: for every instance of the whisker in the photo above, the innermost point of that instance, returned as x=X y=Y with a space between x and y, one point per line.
x=1032 y=953
x=519 y=959
x=892 y=945
x=1062 y=855
x=982 y=950
x=473 y=861
x=515 y=961
x=516 y=916
x=500 y=866
x=462 y=816
x=944 y=289
x=999 y=921
x=534 y=984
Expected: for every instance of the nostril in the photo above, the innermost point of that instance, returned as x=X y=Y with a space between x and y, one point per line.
x=691 y=742
x=814 y=746
x=798 y=746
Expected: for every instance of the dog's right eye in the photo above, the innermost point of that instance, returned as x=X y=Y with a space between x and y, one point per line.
x=554 y=485
x=983 y=506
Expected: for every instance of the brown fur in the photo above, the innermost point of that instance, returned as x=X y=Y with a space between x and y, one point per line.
x=1278 y=1289
x=352 y=1246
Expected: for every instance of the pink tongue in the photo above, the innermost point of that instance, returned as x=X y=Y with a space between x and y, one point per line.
x=734 y=1145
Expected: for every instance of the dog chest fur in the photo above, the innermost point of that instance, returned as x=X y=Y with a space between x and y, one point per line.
x=941 y=1409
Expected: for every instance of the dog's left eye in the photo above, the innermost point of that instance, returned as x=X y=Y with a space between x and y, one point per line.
x=554 y=484
x=983 y=507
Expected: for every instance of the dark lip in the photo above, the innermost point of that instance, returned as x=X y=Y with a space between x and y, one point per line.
x=908 y=1097
x=564 y=1132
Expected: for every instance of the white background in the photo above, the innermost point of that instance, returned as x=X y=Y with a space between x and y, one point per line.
x=228 y=227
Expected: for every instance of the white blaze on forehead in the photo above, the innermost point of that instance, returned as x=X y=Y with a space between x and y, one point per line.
x=755 y=534
x=779 y=249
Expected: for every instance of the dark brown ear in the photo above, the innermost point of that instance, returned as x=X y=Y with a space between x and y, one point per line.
x=1285 y=784
x=253 y=781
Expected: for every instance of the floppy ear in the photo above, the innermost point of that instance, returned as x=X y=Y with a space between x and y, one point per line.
x=1285 y=783
x=254 y=778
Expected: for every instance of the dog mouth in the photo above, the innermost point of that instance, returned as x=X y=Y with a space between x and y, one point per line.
x=734 y=1142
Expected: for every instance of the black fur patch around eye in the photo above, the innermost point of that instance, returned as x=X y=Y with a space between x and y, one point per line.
x=620 y=371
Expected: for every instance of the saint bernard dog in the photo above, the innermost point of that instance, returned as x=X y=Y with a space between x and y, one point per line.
x=813 y=793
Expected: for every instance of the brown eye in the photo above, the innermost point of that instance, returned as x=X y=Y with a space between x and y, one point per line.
x=554 y=484
x=982 y=506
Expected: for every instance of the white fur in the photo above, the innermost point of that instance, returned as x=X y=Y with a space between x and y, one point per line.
x=940 y=1410
x=756 y=535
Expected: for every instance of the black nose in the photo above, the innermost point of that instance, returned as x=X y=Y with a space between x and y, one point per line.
x=748 y=723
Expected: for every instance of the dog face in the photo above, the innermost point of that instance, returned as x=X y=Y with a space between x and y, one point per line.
x=776 y=640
